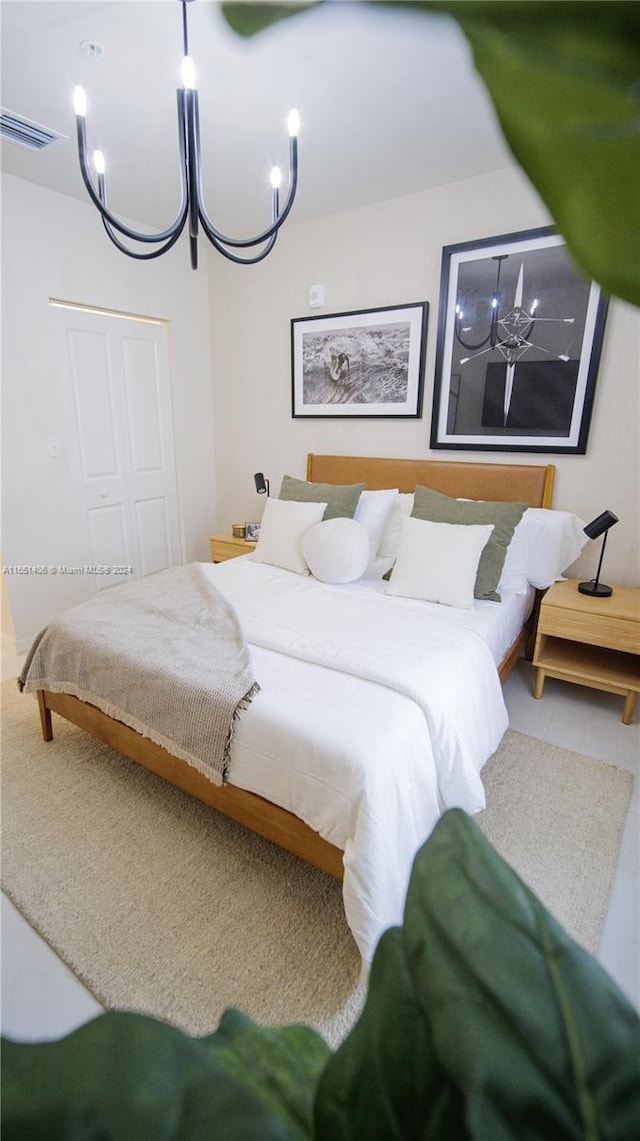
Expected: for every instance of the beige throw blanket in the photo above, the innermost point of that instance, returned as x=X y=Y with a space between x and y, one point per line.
x=166 y=656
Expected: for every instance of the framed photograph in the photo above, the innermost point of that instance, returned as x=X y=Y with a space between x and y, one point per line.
x=361 y=364
x=252 y=532
x=519 y=339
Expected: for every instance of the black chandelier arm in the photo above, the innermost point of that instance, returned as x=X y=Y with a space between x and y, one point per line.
x=490 y=337
x=219 y=246
x=467 y=345
x=186 y=101
x=139 y=256
x=99 y=198
x=216 y=236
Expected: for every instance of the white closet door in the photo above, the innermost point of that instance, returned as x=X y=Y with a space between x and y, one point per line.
x=116 y=372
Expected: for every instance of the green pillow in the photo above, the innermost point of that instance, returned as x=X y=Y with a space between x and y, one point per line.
x=341 y=499
x=505 y=517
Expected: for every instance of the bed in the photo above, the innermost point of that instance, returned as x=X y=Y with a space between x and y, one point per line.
x=345 y=706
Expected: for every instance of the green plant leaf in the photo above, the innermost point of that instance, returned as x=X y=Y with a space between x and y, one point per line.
x=249 y=18
x=125 y=1076
x=564 y=78
x=483 y=1018
x=281 y=1066
x=385 y=1082
x=535 y=1035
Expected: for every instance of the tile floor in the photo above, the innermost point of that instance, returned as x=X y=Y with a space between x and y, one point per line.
x=42 y=999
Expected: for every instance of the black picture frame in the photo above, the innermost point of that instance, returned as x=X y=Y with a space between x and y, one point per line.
x=359 y=365
x=519 y=376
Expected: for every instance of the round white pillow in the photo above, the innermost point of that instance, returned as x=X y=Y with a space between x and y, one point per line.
x=336 y=550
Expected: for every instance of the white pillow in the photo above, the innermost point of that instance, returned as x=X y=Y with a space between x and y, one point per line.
x=438 y=562
x=284 y=522
x=336 y=550
x=544 y=544
x=372 y=511
x=388 y=545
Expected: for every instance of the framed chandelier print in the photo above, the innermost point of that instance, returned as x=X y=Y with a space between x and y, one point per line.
x=519 y=339
x=369 y=362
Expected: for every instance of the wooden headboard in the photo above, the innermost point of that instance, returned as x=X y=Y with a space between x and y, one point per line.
x=524 y=483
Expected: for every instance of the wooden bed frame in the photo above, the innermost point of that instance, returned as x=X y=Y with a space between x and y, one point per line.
x=529 y=483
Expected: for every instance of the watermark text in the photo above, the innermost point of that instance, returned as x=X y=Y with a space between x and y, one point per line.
x=64 y=568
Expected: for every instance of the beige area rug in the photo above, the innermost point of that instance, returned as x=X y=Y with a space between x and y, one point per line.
x=160 y=905
x=557 y=817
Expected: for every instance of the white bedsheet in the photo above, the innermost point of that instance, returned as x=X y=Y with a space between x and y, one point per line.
x=375 y=713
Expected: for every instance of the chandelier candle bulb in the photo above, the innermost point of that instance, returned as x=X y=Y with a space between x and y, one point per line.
x=276 y=177
x=293 y=123
x=98 y=162
x=79 y=101
x=188 y=73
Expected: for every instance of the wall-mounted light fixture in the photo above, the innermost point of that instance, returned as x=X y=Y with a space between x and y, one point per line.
x=262 y=484
x=598 y=526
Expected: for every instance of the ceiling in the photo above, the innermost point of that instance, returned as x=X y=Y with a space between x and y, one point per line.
x=388 y=100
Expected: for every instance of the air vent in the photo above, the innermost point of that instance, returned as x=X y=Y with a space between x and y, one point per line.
x=24 y=132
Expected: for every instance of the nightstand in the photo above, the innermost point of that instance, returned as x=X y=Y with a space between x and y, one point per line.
x=223 y=547
x=590 y=641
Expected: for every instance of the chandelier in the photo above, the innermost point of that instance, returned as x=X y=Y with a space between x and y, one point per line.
x=192 y=208
x=510 y=332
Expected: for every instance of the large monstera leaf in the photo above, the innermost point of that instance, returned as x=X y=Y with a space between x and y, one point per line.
x=564 y=77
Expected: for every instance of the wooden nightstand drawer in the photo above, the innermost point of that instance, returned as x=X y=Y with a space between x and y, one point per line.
x=596 y=629
x=223 y=547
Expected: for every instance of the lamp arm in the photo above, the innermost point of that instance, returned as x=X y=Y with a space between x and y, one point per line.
x=604 y=543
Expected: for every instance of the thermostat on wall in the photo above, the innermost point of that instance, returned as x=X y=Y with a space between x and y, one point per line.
x=316 y=296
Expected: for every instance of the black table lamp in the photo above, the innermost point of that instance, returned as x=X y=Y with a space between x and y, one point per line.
x=262 y=484
x=597 y=527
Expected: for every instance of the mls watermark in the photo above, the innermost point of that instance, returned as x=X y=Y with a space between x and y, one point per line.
x=64 y=568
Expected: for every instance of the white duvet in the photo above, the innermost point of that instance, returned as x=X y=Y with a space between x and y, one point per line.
x=375 y=713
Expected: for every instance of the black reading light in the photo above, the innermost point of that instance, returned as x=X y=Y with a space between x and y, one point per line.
x=262 y=484
x=598 y=526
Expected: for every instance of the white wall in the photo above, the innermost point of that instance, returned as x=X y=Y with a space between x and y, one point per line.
x=54 y=246
x=388 y=254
